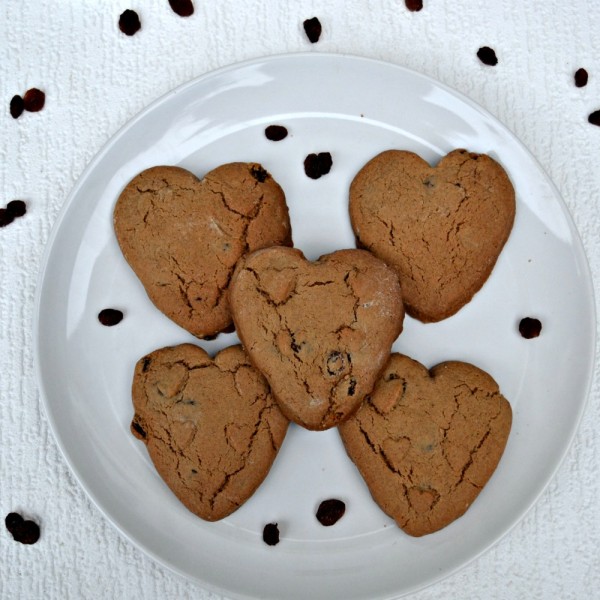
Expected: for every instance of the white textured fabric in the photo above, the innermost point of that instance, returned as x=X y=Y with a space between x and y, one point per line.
x=96 y=79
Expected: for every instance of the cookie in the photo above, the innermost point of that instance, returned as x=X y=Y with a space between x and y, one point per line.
x=211 y=426
x=319 y=332
x=183 y=236
x=426 y=442
x=441 y=228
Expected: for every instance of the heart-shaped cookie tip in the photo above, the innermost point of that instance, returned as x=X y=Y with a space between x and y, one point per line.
x=319 y=331
x=183 y=236
x=441 y=228
x=212 y=427
x=427 y=442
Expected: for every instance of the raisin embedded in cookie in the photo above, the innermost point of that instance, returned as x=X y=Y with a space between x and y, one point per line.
x=441 y=228
x=182 y=236
x=426 y=442
x=319 y=331
x=211 y=426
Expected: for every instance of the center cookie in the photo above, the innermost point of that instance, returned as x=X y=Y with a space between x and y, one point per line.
x=183 y=236
x=211 y=427
x=426 y=442
x=440 y=228
x=320 y=332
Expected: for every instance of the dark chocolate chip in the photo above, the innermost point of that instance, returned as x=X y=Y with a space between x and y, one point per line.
x=594 y=118
x=259 y=173
x=530 y=327
x=313 y=29
x=316 y=165
x=129 y=22
x=16 y=106
x=138 y=428
x=581 y=77
x=276 y=133
x=16 y=208
x=34 y=100
x=414 y=5
x=184 y=8
x=110 y=316
x=487 y=56
x=5 y=217
x=25 y=532
x=330 y=512
x=271 y=534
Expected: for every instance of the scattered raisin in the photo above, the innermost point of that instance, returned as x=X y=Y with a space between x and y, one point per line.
x=16 y=208
x=110 y=316
x=271 y=534
x=330 y=512
x=594 y=118
x=16 y=106
x=5 y=217
x=313 y=29
x=530 y=327
x=487 y=56
x=276 y=133
x=316 y=165
x=259 y=173
x=34 y=100
x=25 y=532
x=184 y=8
x=414 y=5
x=581 y=77
x=129 y=22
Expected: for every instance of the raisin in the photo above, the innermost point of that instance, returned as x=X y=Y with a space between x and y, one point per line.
x=336 y=362
x=487 y=56
x=129 y=22
x=16 y=208
x=352 y=387
x=316 y=165
x=138 y=428
x=5 y=217
x=581 y=77
x=530 y=327
x=184 y=8
x=594 y=118
x=34 y=100
x=276 y=133
x=330 y=512
x=271 y=534
x=17 y=106
x=313 y=29
x=25 y=532
x=146 y=363
x=110 y=316
x=414 y=5
x=259 y=173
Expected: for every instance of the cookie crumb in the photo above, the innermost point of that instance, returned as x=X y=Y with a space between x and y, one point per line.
x=271 y=534
x=129 y=22
x=110 y=316
x=414 y=5
x=276 y=133
x=313 y=29
x=581 y=78
x=184 y=8
x=17 y=106
x=23 y=531
x=34 y=100
x=530 y=328
x=316 y=165
x=487 y=56
x=330 y=512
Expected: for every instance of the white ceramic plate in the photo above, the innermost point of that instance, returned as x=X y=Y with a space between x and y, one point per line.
x=353 y=108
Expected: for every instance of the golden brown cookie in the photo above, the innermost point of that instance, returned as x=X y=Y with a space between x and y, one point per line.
x=211 y=426
x=441 y=228
x=426 y=442
x=183 y=236
x=319 y=332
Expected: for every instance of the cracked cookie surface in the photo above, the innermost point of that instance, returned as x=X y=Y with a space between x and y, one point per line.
x=211 y=426
x=319 y=331
x=441 y=228
x=183 y=236
x=426 y=442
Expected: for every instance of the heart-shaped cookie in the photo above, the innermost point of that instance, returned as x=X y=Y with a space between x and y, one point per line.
x=319 y=332
x=212 y=427
x=183 y=236
x=441 y=228
x=426 y=442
